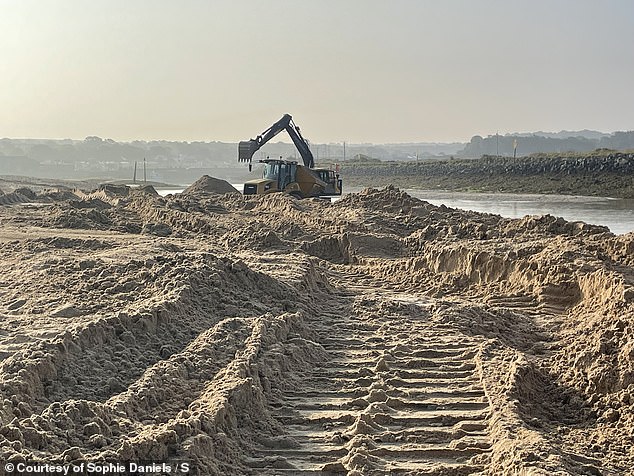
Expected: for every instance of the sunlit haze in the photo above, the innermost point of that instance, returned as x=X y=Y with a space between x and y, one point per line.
x=354 y=70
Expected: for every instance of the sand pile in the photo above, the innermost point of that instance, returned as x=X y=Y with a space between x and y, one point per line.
x=207 y=184
x=21 y=195
x=149 y=189
x=56 y=195
x=265 y=335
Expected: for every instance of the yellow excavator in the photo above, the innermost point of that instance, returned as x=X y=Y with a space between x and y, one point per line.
x=288 y=176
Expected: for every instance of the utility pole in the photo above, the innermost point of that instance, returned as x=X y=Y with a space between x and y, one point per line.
x=344 y=151
x=497 y=144
x=144 y=172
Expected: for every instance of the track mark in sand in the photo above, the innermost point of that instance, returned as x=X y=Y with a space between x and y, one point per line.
x=397 y=395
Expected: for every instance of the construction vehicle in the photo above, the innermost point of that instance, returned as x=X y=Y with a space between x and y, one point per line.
x=288 y=176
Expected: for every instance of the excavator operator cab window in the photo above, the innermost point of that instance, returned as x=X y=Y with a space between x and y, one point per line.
x=271 y=171
x=287 y=175
x=326 y=176
x=282 y=173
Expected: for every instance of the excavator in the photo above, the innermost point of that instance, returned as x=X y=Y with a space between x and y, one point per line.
x=300 y=181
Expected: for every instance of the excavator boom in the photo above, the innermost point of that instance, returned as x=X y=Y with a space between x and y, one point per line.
x=246 y=149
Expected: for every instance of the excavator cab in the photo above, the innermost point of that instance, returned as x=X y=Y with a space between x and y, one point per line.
x=278 y=176
x=283 y=172
x=331 y=179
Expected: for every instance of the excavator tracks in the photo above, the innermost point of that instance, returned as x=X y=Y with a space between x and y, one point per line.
x=397 y=394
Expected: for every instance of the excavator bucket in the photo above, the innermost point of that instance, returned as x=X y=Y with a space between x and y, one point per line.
x=246 y=149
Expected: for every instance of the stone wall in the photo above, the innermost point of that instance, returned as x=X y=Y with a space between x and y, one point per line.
x=617 y=163
x=609 y=175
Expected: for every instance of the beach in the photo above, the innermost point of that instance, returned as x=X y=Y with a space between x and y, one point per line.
x=265 y=335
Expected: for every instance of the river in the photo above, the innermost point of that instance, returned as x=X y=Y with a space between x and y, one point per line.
x=616 y=214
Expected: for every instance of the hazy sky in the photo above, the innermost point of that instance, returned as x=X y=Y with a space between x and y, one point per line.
x=354 y=70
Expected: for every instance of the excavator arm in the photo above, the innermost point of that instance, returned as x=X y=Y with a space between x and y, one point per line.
x=246 y=149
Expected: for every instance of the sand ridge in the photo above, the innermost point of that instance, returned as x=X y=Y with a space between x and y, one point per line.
x=265 y=335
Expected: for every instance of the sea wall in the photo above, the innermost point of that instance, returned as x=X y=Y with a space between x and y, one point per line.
x=602 y=174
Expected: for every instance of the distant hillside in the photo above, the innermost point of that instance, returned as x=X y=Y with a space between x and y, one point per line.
x=167 y=160
x=526 y=145
x=184 y=162
x=585 y=133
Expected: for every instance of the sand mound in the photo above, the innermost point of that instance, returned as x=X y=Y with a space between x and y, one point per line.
x=266 y=335
x=58 y=195
x=115 y=190
x=207 y=184
x=21 y=195
x=148 y=189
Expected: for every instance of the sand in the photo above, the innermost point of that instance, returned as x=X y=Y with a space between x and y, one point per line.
x=268 y=336
x=207 y=184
